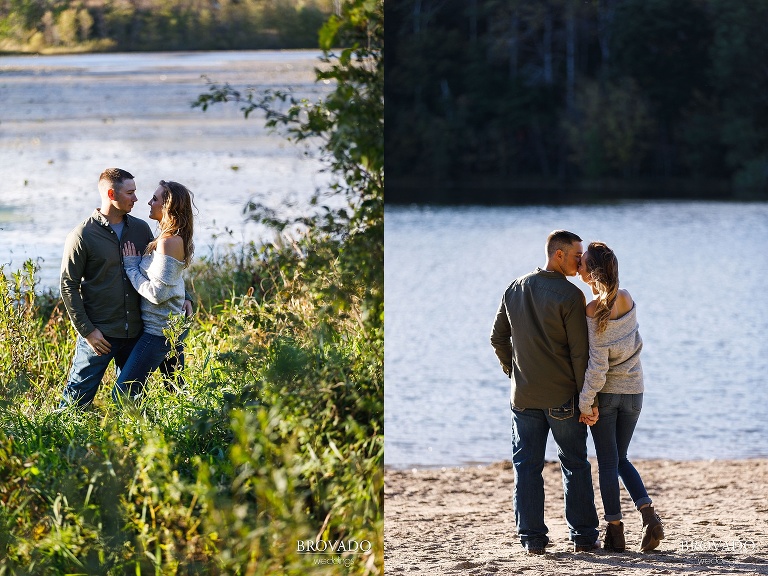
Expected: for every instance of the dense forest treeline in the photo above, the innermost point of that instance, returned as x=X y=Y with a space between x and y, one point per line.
x=127 y=25
x=509 y=100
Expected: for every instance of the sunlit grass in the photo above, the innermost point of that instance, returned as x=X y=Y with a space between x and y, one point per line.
x=274 y=437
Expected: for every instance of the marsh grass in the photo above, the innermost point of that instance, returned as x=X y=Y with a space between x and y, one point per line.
x=275 y=435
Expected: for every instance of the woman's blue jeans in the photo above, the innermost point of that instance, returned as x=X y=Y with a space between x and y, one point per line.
x=147 y=355
x=612 y=434
x=530 y=428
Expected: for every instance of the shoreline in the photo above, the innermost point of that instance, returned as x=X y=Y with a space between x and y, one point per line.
x=460 y=520
x=533 y=189
x=593 y=461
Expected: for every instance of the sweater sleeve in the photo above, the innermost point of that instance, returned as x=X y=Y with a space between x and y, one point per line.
x=594 y=378
x=158 y=284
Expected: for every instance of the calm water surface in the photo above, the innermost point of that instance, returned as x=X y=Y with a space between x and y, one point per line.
x=66 y=118
x=695 y=270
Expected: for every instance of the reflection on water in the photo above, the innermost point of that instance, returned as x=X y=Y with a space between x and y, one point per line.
x=169 y=61
x=66 y=118
x=696 y=271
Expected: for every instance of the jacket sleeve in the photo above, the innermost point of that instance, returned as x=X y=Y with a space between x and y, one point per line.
x=575 y=321
x=594 y=379
x=501 y=338
x=72 y=270
x=158 y=284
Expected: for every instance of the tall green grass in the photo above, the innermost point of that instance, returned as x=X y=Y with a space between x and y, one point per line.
x=275 y=438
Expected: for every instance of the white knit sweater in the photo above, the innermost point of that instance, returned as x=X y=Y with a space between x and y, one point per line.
x=157 y=277
x=614 y=360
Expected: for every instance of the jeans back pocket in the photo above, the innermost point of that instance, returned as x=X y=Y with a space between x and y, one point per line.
x=563 y=412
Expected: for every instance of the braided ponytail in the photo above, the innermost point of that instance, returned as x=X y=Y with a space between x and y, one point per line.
x=603 y=269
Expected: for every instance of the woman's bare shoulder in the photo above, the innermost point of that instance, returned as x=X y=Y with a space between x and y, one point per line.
x=591 y=307
x=624 y=302
x=172 y=246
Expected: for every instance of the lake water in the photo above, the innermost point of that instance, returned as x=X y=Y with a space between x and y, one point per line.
x=695 y=270
x=65 y=119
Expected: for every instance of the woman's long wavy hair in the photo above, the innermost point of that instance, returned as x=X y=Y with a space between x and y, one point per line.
x=177 y=217
x=603 y=270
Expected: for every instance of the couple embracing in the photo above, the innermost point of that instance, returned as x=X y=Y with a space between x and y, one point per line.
x=120 y=285
x=574 y=365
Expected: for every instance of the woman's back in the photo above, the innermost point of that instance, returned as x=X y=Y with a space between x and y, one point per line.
x=622 y=305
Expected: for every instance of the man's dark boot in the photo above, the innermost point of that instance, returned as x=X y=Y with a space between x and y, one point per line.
x=653 y=529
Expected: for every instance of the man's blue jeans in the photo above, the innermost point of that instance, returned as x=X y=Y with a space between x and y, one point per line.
x=88 y=369
x=530 y=428
x=612 y=433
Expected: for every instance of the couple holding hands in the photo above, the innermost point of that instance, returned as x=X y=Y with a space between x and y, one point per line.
x=574 y=364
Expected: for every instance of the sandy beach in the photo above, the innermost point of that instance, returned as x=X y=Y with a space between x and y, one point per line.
x=460 y=521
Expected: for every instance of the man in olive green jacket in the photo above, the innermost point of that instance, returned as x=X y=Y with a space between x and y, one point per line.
x=102 y=304
x=540 y=337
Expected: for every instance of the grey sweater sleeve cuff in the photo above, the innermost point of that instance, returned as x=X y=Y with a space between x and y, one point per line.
x=586 y=400
x=131 y=261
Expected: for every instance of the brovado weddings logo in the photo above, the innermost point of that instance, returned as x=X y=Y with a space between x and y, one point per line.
x=351 y=546
x=337 y=551
x=717 y=551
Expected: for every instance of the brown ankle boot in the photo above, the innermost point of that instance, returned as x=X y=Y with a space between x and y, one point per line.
x=614 y=537
x=653 y=529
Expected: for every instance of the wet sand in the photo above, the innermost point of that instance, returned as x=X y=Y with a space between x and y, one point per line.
x=460 y=521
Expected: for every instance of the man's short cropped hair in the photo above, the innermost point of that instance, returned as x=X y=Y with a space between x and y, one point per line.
x=560 y=240
x=113 y=178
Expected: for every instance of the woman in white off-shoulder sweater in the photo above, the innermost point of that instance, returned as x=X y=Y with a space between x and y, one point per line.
x=614 y=382
x=157 y=276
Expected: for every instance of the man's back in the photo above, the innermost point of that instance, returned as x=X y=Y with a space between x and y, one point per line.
x=540 y=337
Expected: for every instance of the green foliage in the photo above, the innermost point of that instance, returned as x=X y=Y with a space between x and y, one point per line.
x=348 y=124
x=735 y=51
x=17 y=300
x=495 y=100
x=613 y=132
x=663 y=44
x=276 y=438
